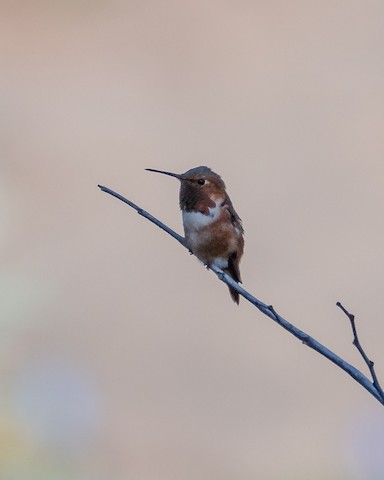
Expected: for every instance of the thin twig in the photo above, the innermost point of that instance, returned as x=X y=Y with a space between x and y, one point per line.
x=145 y=214
x=373 y=388
x=357 y=344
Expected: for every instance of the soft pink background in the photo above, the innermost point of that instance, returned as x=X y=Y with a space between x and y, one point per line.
x=121 y=357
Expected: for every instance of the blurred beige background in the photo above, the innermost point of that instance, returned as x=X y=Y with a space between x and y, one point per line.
x=121 y=356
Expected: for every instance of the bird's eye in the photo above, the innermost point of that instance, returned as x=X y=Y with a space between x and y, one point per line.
x=201 y=181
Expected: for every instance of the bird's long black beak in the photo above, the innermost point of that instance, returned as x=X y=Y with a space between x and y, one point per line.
x=165 y=173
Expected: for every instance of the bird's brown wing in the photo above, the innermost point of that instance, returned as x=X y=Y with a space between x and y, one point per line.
x=233 y=269
x=235 y=219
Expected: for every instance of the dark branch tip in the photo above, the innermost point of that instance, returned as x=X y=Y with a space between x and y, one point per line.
x=349 y=315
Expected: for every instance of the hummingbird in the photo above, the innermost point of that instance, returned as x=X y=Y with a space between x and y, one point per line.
x=213 y=230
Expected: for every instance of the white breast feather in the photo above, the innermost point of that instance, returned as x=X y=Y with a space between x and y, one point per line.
x=196 y=220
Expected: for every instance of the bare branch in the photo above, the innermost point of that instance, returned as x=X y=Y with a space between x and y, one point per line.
x=373 y=388
x=145 y=214
x=357 y=344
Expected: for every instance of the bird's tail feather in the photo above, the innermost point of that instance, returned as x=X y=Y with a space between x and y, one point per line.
x=234 y=272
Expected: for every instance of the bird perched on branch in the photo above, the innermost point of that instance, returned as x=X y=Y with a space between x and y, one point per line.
x=213 y=230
